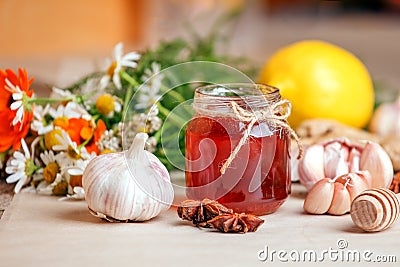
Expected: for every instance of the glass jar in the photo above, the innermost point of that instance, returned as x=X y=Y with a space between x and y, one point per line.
x=256 y=179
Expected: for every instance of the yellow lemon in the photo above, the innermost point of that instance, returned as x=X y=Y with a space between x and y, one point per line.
x=322 y=81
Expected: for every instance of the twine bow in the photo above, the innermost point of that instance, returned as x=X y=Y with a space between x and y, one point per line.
x=277 y=113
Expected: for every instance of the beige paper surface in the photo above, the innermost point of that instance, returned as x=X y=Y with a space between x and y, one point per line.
x=42 y=231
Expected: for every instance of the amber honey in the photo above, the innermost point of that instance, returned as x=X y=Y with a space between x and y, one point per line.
x=257 y=180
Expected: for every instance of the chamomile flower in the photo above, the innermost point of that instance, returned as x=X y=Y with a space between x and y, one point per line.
x=46 y=188
x=21 y=166
x=71 y=110
x=116 y=64
x=150 y=91
x=39 y=124
x=106 y=104
x=70 y=152
x=52 y=167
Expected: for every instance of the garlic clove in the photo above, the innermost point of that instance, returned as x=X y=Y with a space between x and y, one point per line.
x=385 y=120
x=355 y=183
x=341 y=200
x=311 y=166
x=354 y=160
x=335 y=159
x=366 y=176
x=319 y=198
x=375 y=160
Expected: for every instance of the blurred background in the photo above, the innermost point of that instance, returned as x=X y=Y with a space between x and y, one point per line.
x=60 y=41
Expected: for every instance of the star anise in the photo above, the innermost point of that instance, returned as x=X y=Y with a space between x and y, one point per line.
x=200 y=212
x=395 y=186
x=236 y=223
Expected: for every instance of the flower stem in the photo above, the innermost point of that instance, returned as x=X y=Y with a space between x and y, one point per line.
x=128 y=96
x=86 y=141
x=178 y=121
x=47 y=100
x=129 y=78
x=173 y=94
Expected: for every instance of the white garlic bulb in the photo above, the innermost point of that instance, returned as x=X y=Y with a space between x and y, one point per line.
x=386 y=119
x=129 y=185
x=341 y=156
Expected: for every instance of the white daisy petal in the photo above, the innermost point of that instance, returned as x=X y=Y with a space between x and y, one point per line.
x=15 y=177
x=15 y=121
x=17 y=163
x=11 y=169
x=118 y=51
x=19 y=116
x=25 y=148
x=117 y=106
x=20 y=184
x=19 y=155
x=15 y=105
x=131 y=56
x=10 y=85
x=104 y=81
x=45 y=129
x=117 y=81
x=129 y=64
x=60 y=139
x=17 y=96
x=59 y=147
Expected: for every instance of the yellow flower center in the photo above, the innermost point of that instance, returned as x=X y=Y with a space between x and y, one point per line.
x=73 y=153
x=61 y=122
x=61 y=188
x=51 y=140
x=142 y=129
x=50 y=172
x=111 y=68
x=105 y=104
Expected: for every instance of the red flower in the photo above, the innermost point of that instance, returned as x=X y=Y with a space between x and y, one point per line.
x=11 y=135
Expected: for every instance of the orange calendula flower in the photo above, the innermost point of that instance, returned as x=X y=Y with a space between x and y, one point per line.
x=74 y=127
x=100 y=129
x=14 y=116
x=81 y=130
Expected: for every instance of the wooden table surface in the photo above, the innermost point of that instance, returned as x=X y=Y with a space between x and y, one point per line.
x=39 y=230
x=6 y=194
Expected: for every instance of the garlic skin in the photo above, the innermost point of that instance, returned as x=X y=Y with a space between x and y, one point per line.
x=130 y=185
x=385 y=120
x=340 y=156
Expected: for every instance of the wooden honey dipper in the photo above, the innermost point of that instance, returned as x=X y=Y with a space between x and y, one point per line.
x=375 y=209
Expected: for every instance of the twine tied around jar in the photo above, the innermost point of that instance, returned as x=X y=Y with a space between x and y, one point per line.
x=278 y=113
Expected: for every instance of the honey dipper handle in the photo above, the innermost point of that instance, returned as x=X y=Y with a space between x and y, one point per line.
x=375 y=209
